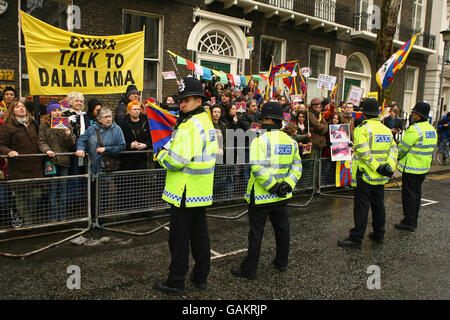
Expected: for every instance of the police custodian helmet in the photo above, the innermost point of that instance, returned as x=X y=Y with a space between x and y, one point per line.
x=272 y=110
x=190 y=86
x=370 y=107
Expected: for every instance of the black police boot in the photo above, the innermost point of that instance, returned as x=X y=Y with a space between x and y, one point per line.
x=236 y=271
x=347 y=243
x=161 y=285
x=375 y=237
x=198 y=285
x=277 y=266
x=405 y=227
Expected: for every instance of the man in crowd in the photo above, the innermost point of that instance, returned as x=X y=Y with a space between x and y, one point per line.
x=132 y=94
x=347 y=118
x=189 y=158
x=373 y=163
x=415 y=154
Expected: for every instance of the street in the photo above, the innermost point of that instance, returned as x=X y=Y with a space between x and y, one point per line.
x=411 y=265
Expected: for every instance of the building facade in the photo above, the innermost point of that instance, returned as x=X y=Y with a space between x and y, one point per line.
x=213 y=33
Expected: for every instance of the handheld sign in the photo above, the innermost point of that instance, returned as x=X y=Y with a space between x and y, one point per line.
x=326 y=82
x=60 y=123
x=354 y=95
x=169 y=75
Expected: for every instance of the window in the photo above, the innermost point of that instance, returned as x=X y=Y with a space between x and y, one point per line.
x=363 y=9
x=134 y=22
x=53 y=12
x=410 y=89
x=325 y=9
x=354 y=64
x=418 y=22
x=271 y=47
x=216 y=42
x=318 y=64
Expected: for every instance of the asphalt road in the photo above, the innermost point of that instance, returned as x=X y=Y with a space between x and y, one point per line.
x=412 y=265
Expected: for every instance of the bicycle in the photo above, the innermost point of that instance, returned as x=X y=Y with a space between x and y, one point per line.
x=440 y=155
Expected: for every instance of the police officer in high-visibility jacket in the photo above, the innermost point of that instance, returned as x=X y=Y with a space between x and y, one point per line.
x=415 y=152
x=189 y=159
x=374 y=160
x=276 y=167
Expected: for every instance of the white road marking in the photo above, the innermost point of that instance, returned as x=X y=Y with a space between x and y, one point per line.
x=428 y=202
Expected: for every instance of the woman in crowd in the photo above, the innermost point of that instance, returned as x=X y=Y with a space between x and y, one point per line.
x=218 y=88
x=131 y=94
x=302 y=131
x=111 y=136
x=137 y=136
x=52 y=141
x=230 y=118
x=9 y=96
x=19 y=136
x=219 y=125
x=93 y=106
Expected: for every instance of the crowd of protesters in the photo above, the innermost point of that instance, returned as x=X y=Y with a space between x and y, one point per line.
x=101 y=131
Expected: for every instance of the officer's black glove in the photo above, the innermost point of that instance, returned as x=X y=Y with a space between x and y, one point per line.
x=385 y=170
x=275 y=188
x=284 y=189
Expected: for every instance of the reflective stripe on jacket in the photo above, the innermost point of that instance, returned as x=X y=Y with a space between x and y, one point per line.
x=190 y=162
x=374 y=146
x=274 y=157
x=416 y=148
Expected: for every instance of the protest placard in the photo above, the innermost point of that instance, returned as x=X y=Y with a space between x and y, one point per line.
x=339 y=132
x=340 y=61
x=305 y=72
x=326 y=82
x=59 y=61
x=340 y=139
x=354 y=95
x=169 y=75
x=373 y=94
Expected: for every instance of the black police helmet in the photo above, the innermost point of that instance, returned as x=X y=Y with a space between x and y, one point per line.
x=370 y=107
x=190 y=86
x=272 y=110
x=422 y=108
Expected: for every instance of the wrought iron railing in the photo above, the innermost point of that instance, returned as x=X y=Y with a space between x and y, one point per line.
x=325 y=9
x=361 y=22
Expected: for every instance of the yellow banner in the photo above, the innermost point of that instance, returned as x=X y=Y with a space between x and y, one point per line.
x=60 y=61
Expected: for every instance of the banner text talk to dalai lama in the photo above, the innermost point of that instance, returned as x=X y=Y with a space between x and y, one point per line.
x=60 y=61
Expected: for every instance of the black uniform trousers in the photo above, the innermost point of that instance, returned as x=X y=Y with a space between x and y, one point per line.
x=365 y=195
x=411 y=197
x=188 y=227
x=257 y=218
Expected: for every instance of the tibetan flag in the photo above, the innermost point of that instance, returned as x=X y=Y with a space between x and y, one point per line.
x=241 y=106
x=161 y=125
x=287 y=116
x=333 y=92
x=357 y=115
x=306 y=149
x=390 y=68
x=255 y=126
x=3 y=106
x=282 y=70
x=60 y=123
x=343 y=173
x=303 y=86
x=270 y=81
x=64 y=105
x=384 y=110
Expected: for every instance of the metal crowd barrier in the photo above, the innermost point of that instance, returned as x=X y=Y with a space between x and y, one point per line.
x=30 y=206
x=327 y=179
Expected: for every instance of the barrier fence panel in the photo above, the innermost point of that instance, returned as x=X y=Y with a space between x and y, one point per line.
x=32 y=204
x=327 y=178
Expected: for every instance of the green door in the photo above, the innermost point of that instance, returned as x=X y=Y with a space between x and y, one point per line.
x=225 y=67
x=348 y=83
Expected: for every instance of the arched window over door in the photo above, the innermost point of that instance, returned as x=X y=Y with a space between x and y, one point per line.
x=216 y=42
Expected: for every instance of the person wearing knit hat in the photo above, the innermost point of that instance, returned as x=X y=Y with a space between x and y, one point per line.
x=132 y=93
x=414 y=160
x=51 y=142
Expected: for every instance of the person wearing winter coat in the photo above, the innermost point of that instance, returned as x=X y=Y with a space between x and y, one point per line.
x=111 y=136
x=19 y=136
x=136 y=131
x=131 y=94
x=52 y=141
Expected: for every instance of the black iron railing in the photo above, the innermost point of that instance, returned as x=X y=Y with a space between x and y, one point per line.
x=325 y=9
x=361 y=22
